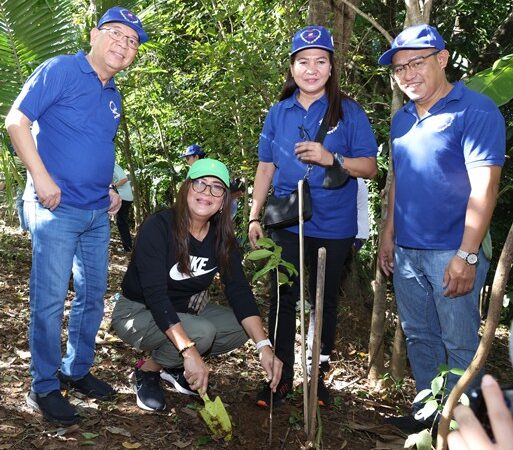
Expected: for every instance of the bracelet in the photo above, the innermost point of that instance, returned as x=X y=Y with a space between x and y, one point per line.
x=263 y=343
x=114 y=188
x=187 y=347
x=253 y=220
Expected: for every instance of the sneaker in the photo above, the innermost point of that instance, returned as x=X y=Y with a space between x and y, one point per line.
x=408 y=424
x=323 y=395
x=89 y=385
x=54 y=407
x=176 y=378
x=264 y=396
x=147 y=390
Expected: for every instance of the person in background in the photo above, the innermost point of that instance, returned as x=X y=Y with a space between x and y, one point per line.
x=237 y=191
x=193 y=153
x=177 y=254
x=121 y=182
x=448 y=146
x=287 y=152
x=67 y=205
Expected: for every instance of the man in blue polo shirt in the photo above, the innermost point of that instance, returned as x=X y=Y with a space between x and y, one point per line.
x=448 y=146
x=75 y=107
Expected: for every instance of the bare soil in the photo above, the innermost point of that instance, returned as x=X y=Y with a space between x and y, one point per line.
x=352 y=422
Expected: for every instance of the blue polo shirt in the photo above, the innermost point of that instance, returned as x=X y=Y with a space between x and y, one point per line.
x=77 y=118
x=431 y=156
x=334 y=210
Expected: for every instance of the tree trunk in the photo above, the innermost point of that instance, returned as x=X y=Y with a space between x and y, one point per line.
x=416 y=13
x=398 y=362
x=500 y=281
x=320 y=12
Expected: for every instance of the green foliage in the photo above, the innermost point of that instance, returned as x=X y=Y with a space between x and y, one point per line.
x=433 y=400
x=272 y=252
x=496 y=82
x=31 y=31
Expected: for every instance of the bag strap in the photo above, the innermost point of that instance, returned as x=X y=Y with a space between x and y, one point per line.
x=319 y=137
x=323 y=130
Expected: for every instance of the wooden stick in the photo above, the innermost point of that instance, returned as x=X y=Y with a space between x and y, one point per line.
x=302 y=305
x=316 y=344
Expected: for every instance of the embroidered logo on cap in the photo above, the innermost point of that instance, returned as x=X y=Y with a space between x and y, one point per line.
x=129 y=15
x=311 y=35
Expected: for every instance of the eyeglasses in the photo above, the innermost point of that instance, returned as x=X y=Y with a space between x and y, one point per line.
x=303 y=133
x=216 y=190
x=117 y=35
x=416 y=64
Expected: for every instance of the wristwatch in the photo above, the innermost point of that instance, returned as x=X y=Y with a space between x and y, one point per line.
x=470 y=258
x=338 y=160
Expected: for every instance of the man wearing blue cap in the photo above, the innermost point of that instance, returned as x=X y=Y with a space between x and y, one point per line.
x=192 y=154
x=74 y=103
x=448 y=146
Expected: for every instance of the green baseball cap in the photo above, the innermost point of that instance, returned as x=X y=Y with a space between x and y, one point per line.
x=207 y=167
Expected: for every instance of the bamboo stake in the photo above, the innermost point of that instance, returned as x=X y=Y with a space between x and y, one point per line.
x=302 y=305
x=316 y=345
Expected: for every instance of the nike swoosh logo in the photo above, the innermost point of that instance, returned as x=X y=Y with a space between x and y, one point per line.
x=176 y=275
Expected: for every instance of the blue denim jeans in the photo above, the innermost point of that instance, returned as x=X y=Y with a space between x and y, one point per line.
x=65 y=241
x=438 y=329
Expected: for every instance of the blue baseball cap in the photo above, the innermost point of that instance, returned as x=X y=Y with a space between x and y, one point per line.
x=313 y=36
x=126 y=17
x=192 y=150
x=419 y=36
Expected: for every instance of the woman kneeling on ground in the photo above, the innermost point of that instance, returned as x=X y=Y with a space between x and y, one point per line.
x=164 y=308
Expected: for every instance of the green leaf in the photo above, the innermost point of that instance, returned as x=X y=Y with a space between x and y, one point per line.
x=496 y=82
x=464 y=400
x=265 y=242
x=443 y=369
x=436 y=385
x=457 y=371
x=256 y=255
x=282 y=278
x=422 y=395
x=423 y=440
x=90 y=435
x=428 y=410
x=261 y=273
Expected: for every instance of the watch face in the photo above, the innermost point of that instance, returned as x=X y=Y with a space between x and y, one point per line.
x=471 y=258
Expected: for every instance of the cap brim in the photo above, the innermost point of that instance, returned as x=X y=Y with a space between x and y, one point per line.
x=323 y=47
x=386 y=58
x=143 y=37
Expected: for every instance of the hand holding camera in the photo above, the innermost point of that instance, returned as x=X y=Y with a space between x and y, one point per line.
x=471 y=434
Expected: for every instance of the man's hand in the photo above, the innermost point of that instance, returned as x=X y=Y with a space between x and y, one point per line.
x=458 y=277
x=115 y=202
x=471 y=435
x=48 y=193
x=386 y=254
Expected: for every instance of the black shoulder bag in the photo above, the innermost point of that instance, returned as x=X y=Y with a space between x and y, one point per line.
x=282 y=212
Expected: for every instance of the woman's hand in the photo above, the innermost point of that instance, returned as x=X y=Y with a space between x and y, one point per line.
x=272 y=366
x=313 y=153
x=471 y=435
x=195 y=370
x=255 y=232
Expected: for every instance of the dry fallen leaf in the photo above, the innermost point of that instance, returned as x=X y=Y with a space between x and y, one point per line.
x=131 y=445
x=117 y=430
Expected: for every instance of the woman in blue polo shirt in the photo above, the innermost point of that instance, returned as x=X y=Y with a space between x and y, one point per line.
x=286 y=151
